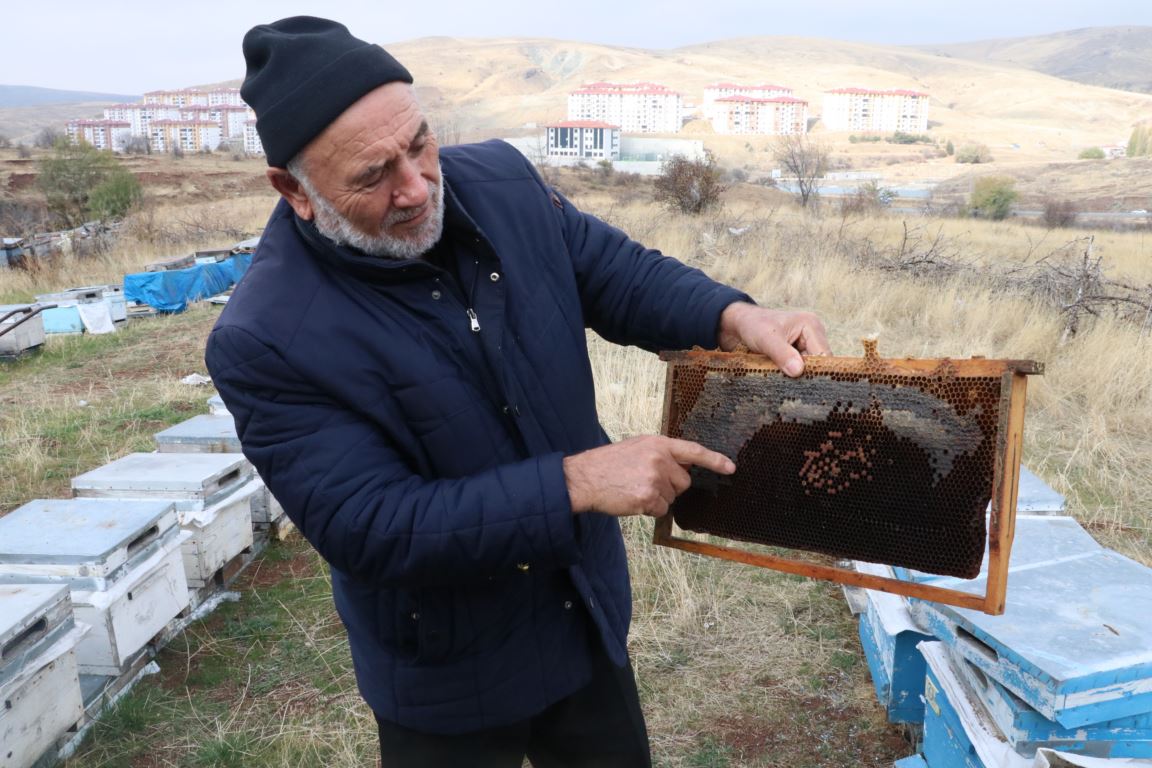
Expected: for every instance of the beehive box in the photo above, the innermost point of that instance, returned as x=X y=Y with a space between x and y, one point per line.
x=31 y=615
x=216 y=406
x=887 y=461
x=120 y=559
x=190 y=480
x=1036 y=497
x=219 y=533
x=1026 y=730
x=113 y=295
x=21 y=333
x=889 y=639
x=1074 y=643
x=40 y=702
x=958 y=734
x=200 y=434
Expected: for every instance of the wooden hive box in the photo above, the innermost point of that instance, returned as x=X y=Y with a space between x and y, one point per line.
x=40 y=698
x=885 y=461
x=211 y=494
x=120 y=559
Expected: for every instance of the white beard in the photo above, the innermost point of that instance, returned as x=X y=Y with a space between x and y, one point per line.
x=338 y=229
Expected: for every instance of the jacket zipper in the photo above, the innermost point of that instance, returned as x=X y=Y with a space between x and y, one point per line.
x=473 y=320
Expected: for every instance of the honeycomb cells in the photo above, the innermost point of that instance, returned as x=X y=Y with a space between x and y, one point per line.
x=851 y=460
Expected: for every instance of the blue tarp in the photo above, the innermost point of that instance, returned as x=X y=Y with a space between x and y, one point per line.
x=170 y=291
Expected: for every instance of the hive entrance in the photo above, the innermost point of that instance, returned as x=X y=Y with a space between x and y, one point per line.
x=889 y=461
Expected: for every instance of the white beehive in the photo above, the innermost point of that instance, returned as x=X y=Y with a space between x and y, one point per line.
x=211 y=494
x=120 y=558
x=200 y=434
x=20 y=333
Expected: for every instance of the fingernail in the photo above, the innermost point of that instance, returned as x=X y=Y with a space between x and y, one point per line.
x=729 y=467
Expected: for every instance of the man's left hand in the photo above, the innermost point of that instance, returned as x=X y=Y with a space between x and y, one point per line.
x=781 y=335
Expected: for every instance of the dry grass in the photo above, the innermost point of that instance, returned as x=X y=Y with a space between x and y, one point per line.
x=738 y=666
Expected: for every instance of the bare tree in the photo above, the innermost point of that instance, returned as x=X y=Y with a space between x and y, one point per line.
x=804 y=160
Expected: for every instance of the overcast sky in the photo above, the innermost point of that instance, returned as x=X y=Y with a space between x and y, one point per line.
x=118 y=46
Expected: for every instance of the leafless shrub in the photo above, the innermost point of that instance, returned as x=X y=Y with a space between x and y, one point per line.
x=1060 y=213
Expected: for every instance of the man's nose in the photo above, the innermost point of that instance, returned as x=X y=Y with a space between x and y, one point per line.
x=411 y=190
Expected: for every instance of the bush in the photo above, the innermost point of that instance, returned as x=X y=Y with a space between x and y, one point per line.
x=1140 y=142
x=689 y=186
x=992 y=197
x=868 y=198
x=974 y=153
x=80 y=182
x=868 y=139
x=1060 y=213
x=899 y=137
x=1092 y=153
x=950 y=148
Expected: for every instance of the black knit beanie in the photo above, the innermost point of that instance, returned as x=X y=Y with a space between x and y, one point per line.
x=303 y=72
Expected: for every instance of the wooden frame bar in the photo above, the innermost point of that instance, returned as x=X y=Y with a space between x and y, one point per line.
x=1002 y=515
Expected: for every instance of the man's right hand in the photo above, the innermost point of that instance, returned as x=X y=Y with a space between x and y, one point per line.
x=637 y=476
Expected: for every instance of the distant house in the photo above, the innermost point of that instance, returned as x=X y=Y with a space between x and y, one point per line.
x=584 y=139
x=713 y=92
x=866 y=110
x=634 y=107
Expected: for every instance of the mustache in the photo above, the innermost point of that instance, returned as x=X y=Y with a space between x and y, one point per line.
x=399 y=216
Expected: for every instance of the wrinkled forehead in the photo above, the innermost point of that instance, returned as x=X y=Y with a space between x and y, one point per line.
x=379 y=125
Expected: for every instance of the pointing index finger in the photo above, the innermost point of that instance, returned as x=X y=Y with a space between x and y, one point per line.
x=687 y=452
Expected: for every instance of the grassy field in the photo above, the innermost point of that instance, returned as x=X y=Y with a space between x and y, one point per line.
x=737 y=666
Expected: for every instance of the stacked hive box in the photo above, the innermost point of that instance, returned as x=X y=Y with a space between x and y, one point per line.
x=216 y=433
x=1068 y=666
x=19 y=332
x=120 y=559
x=40 y=698
x=212 y=494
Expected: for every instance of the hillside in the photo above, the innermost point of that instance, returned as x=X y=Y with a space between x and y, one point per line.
x=1113 y=57
x=30 y=96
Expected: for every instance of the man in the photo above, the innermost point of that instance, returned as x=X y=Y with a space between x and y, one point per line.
x=406 y=364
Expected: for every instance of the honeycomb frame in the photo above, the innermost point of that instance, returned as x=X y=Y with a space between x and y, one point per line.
x=884 y=460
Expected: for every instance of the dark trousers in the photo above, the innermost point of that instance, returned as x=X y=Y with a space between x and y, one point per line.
x=599 y=726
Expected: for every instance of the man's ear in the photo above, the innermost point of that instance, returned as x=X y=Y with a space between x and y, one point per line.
x=289 y=188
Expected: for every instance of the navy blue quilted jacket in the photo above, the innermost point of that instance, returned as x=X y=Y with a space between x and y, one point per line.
x=422 y=459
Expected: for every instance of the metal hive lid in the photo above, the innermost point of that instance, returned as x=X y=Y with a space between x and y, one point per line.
x=171 y=475
x=80 y=534
x=204 y=428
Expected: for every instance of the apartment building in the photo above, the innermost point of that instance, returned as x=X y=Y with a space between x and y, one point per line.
x=863 y=109
x=111 y=135
x=634 y=107
x=185 y=135
x=584 y=140
x=713 y=92
x=775 y=116
x=194 y=97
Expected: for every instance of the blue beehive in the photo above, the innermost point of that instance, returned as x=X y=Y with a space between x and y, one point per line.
x=1075 y=639
x=956 y=733
x=889 y=639
x=1026 y=730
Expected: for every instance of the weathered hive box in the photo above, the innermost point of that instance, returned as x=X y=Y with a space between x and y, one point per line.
x=210 y=433
x=40 y=698
x=208 y=489
x=220 y=532
x=957 y=734
x=200 y=434
x=121 y=560
x=20 y=333
x=216 y=406
x=113 y=296
x=174 y=262
x=889 y=639
x=192 y=481
x=1026 y=730
x=67 y=317
x=1074 y=642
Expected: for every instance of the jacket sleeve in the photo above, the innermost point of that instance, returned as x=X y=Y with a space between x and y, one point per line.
x=635 y=295
x=355 y=499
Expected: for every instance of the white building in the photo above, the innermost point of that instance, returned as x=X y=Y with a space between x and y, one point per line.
x=584 y=139
x=102 y=134
x=189 y=97
x=222 y=107
x=716 y=91
x=252 y=143
x=775 y=116
x=862 y=109
x=634 y=107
